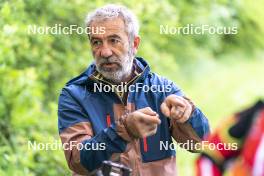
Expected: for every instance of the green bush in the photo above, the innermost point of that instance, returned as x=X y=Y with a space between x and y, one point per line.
x=222 y=73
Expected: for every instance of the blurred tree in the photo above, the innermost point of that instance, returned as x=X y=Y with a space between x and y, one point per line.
x=34 y=68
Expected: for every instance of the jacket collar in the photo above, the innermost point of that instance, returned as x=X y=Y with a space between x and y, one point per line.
x=84 y=78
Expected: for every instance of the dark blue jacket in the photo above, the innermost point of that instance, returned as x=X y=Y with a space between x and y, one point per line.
x=80 y=104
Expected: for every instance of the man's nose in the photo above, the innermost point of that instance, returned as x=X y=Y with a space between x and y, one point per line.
x=106 y=51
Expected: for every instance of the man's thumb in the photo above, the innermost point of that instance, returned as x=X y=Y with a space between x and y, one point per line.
x=165 y=109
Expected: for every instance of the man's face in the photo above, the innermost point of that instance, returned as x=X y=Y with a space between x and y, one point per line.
x=111 y=50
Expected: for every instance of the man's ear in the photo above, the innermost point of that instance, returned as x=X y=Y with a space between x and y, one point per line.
x=136 y=43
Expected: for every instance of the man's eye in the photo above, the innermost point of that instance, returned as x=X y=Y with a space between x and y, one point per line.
x=114 y=41
x=96 y=43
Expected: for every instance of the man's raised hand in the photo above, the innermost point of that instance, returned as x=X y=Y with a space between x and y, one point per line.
x=177 y=108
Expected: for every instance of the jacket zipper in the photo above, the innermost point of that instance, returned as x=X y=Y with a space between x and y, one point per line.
x=108 y=118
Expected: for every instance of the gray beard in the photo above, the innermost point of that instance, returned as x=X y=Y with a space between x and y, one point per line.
x=121 y=73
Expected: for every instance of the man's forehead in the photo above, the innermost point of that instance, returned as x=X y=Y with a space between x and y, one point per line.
x=110 y=25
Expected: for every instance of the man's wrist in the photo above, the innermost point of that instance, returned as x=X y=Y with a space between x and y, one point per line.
x=122 y=129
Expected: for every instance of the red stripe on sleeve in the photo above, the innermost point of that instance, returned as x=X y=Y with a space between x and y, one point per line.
x=145 y=144
x=108 y=120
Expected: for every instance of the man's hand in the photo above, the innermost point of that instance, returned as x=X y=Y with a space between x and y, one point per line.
x=177 y=108
x=142 y=123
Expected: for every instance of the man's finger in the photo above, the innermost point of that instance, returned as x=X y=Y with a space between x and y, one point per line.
x=165 y=109
x=151 y=132
x=151 y=127
x=150 y=119
x=177 y=112
x=147 y=111
x=174 y=101
x=186 y=114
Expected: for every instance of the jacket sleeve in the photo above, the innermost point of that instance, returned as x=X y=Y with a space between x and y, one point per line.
x=197 y=126
x=83 y=150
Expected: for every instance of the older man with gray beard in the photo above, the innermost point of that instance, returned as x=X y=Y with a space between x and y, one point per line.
x=129 y=125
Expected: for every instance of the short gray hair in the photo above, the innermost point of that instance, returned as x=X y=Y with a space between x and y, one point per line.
x=113 y=11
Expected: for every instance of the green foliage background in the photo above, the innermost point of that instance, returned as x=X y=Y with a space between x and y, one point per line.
x=221 y=73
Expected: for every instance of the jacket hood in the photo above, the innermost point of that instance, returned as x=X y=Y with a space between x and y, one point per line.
x=83 y=78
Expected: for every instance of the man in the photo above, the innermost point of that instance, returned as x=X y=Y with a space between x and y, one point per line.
x=127 y=125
